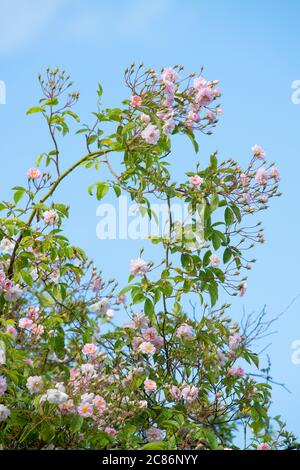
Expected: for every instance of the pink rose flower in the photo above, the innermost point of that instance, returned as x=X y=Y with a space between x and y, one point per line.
x=99 y=403
x=138 y=267
x=169 y=75
x=3 y=385
x=135 y=101
x=26 y=323
x=175 y=392
x=111 y=431
x=274 y=173
x=34 y=174
x=185 y=331
x=236 y=371
x=150 y=385
x=85 y=410
x=147 y=348
x=11 y=330
x=150 y=134
x=261 y=176
x=50 y=217
x=234 y=341
x=258 y=152
x=154 y=434
x=263 y=446
x=189 y=393
x=214 y=260
x=195 y=180
x=89 y=349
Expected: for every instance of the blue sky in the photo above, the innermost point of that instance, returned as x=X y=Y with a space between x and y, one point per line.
x=252 y=47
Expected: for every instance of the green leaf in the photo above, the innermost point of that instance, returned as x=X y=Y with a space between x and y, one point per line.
x=148 y=307
x=76 y=423
x=229 y=216
x=213 y=292
x=18 y=195
x=227 y=255
x=102 y=189
x=35 y=109
x=193 y=140
x=157 y=445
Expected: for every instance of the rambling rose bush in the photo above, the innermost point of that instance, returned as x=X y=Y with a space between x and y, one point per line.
x=169 y=378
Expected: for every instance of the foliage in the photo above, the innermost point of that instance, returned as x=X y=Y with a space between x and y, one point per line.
x=167 y=379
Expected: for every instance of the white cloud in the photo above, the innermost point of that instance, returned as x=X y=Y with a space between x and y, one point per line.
x=22 y=21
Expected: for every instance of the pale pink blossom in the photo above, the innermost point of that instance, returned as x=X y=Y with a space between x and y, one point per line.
x=136 y=342
x=11 y=330
x=199 y=83
x=258 y=152
x=145 y=118
x=121 y=299
x=204 y=96
x=236 y=371
x=214 y=260
x=244 y=179
x=3 y=385
x=169 y=75
x=135 y=101
x=37 y=330
x=13 y=294
x=85 y=410
x=150 y=134
x=7 y=247
x=154 y=434
x=89 y=349
x=4 y=412
x=33 y=312
x=97 y=284
x=234 y=341
x=261 y=176
x=175 y=392
x=221 y=357
x=185 y=331
x=68 y=407
x=138 y=267
x=195 y=180
x=263 y=446
x=50 y=217
x=274 y=173
x=35 y=384
x=150 y=385
x=158 y=342
x=169 y=127
x=189 y=393
x=99 y=403
x=111 y=431
x=26 y=323
x=211 y=116
x=150 y=334
x=34 y=174
x=194 y=117
x=147 y=348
